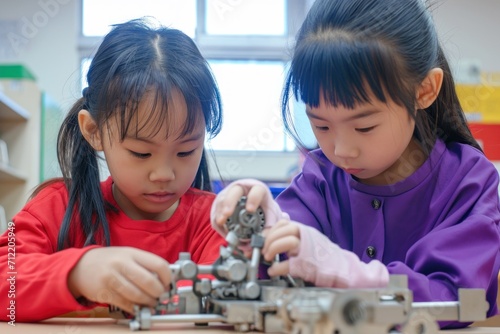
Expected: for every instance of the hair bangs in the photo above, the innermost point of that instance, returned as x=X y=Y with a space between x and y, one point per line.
x=126 y=93
x=202 y=98
x=198 y=105
x=345 y=71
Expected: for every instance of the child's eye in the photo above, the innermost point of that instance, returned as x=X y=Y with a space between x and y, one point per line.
x=185 y=154
x=364 y=130
x=140 y=155
x=322 y=128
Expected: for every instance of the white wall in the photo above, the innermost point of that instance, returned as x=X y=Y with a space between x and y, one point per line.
x=43 y=35
x=469 y=31
x=48 y=37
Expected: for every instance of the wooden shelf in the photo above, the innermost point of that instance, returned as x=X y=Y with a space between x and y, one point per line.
x=11 y=111
x=20 y=128
x=10 y=174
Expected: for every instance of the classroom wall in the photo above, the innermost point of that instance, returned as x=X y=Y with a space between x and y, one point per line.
x=43 y=35
x=47 y=38
x=469 y=31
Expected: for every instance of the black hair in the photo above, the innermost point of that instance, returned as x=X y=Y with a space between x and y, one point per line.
x=133 y=58
x=347 y=48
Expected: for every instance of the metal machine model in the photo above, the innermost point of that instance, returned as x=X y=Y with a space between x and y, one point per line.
x=286 y=305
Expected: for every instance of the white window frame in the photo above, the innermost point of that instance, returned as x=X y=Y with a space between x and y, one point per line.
x=226 y=47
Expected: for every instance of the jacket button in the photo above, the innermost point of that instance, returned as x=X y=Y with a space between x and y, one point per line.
x=376 y=204
x=371 y=251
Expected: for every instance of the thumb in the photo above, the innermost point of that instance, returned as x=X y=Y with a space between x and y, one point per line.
x=279 y=269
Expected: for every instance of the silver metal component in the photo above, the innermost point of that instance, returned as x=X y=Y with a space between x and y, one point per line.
x=184 y=268
x=244 y=223
x=249 y=290
x=420 y=322
x=204 y=287
x=142 y=319
x=285 y=305
x=234 y=270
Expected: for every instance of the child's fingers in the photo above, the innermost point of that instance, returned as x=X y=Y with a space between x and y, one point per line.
x=279 y=269
x=148 y=282
x=226 y=203
x=286 y=244
x=123 y=304
x=255 y=197
x=153 y=264
x=127 y=292
x=280 y=230
x=271 y=230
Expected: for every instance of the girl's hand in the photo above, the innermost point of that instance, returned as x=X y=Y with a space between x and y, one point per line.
x=283 y=237
x=120 y=276
x=257 y=193
x=316 y=259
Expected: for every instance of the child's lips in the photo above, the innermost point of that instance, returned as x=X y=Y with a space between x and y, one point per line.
x=353 y=171
x=159 y=197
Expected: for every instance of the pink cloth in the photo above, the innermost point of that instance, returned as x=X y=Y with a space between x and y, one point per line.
x=325 y=264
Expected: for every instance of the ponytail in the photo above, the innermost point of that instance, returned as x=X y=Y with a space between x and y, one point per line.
x=80 y=170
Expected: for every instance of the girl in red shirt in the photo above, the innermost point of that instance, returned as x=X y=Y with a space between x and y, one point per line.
x=151 y=100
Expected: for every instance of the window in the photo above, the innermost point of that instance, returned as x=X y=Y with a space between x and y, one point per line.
x=99 y=15
x=251 y=89
x=247 y=44
x=239 y=17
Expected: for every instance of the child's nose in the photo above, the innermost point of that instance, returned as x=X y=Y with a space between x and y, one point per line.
x=345 y=150
x=163 y=173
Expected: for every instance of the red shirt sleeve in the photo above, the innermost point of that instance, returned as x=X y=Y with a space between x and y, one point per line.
x=33 y=279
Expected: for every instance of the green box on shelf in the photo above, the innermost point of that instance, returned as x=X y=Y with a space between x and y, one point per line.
x=15 y=71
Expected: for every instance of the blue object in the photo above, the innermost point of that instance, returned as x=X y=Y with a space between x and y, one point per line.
x=276 y=188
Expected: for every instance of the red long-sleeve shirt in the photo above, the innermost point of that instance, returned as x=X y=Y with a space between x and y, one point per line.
x=33 y=274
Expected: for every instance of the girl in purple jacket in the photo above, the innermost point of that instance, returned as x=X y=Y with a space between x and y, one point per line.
x=398 y=184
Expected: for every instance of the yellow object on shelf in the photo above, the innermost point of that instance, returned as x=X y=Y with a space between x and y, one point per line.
x=481 y=102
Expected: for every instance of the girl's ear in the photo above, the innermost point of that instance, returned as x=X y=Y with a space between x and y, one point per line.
x=89 y=129
x=429 y=88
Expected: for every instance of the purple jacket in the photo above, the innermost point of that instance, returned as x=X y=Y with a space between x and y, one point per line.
x=440 y=226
